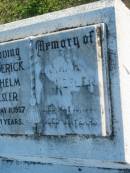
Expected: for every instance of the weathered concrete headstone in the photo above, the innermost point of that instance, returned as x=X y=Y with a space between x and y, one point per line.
x=64 y=91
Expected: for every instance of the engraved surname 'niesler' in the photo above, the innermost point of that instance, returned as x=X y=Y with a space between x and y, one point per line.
x=8 y=96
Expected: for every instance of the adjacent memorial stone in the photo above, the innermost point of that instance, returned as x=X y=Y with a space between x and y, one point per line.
x=71 y=81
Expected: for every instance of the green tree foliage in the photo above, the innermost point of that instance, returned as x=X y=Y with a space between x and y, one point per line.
x=11 y=10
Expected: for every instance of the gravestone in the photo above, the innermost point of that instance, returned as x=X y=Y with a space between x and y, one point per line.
x=64 y=91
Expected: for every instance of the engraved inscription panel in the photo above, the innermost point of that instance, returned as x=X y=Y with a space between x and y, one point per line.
x=15 y=88
x=71 y=82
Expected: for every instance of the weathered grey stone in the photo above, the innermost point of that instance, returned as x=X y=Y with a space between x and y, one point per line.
x=70 y=69
x=71 y=81
x=58 y=80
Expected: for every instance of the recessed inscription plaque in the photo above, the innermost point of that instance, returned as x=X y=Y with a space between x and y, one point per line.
x=71 y=82
x=15 y=88
x=55 y=84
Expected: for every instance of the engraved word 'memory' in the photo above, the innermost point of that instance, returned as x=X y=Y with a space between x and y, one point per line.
x=41 y=45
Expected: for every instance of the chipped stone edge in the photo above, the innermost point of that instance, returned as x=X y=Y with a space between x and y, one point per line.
x=66 y=162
